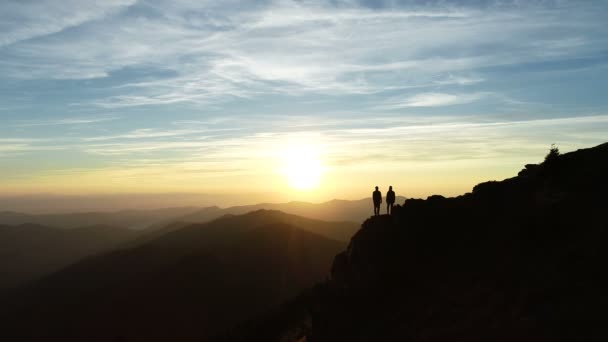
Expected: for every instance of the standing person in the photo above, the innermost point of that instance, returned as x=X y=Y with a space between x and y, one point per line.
x=377 y=197
x=390 y=200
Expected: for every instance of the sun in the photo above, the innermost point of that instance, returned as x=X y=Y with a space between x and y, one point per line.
x=303 y=167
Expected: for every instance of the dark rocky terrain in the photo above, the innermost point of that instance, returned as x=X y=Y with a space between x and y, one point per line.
x=523 y=259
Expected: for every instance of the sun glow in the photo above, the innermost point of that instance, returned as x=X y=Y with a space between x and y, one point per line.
x=303 y=167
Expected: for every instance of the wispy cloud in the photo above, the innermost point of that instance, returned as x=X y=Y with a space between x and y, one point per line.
x=366 y=137
x=289 y=47
x=434 y=100
x=16 y=148
x=19 y=140
x=459 y=80
x=143 y=133
x=23 y=20
x=64 y=121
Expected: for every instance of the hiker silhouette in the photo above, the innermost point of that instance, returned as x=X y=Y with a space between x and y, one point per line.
x=377 y=197
x=390 y=200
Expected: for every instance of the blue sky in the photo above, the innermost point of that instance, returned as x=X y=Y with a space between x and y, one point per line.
x=206 y=96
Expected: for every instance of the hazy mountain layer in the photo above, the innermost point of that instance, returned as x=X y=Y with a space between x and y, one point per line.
x=336 y=210
x=185 y=285
x=134 y=219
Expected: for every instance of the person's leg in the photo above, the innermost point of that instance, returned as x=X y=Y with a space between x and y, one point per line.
x=391 y=211
x=388 y=205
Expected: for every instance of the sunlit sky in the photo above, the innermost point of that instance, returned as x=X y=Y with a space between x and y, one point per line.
x=293 y=100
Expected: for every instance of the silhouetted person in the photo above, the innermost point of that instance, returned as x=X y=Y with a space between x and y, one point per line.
x=390 y=200
x=377 y=197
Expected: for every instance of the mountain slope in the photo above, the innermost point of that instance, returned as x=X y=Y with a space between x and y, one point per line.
x=30 y=251
x=514 y=260
x=185 y=285
x=518 y=260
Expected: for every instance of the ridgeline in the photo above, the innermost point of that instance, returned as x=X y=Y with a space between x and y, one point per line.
x=522 y=259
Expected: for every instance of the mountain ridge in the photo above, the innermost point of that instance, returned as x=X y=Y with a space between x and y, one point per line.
x=334 y=210
x=515 y=260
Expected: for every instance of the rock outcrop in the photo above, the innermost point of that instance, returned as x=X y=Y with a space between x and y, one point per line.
x=522 y=259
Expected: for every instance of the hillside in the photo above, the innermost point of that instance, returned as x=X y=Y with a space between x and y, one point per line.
x=185 y=285
x=517 y=260
x=30 y=251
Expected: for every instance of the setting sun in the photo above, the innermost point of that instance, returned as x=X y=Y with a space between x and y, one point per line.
x=303 y=167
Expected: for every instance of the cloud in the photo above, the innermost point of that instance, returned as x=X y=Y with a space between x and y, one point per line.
x=18 y=147
x=19 y=140
x=227 y=84
x=221 y=52
x=23 y=20
x=435 y=100
x=459 y=80
x=63 y=121
x=410 y=148
x=409 y=139
x=126 y=148
x=147 y=133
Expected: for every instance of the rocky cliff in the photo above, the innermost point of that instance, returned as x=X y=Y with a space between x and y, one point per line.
x=523 y=259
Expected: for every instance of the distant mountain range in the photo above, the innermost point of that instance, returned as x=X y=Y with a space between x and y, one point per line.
x=133 y=219
x=336 y=210
x=186 y=284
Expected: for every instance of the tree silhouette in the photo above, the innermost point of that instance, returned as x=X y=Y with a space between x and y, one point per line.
x=552 y=155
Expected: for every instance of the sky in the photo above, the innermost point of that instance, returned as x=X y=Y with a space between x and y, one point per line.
x=293 y=100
